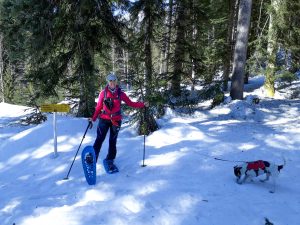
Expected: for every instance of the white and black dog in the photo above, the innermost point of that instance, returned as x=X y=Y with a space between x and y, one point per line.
x=257 y=168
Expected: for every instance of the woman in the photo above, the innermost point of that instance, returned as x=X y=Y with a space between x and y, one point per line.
x=108 y=111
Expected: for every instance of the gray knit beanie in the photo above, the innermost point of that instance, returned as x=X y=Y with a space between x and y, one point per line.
x=111 y=76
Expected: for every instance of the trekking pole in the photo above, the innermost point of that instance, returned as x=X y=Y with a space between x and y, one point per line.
x=144 y=152
x=144 y=128
x=89 y=126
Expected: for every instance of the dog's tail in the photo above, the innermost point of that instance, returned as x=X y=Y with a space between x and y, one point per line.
x=284 y=163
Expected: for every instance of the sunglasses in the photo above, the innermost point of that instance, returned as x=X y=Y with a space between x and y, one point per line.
x=112 y=80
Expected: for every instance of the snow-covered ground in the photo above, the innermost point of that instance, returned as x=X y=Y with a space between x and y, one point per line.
x=184 y=182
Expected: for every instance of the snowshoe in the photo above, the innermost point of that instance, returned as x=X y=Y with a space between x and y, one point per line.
x=110 y=167
x=89 y=164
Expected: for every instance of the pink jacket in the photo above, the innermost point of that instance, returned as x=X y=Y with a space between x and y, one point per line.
x=103 y=112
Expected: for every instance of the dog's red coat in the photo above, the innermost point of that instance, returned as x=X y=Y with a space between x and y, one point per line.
x=256 y=165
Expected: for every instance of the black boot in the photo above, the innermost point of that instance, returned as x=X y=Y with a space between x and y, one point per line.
x=89 y=158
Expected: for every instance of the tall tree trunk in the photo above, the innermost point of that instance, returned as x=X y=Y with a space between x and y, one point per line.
x=179 y=50
x=229 y=47
x=169 y=25
x=272 y=50
x=113 y=55
x=194 y=43
x=240 y=53
x=125 y=60
x=148 y=121
x=148 y=52
x=1 y=69
x=87 y=85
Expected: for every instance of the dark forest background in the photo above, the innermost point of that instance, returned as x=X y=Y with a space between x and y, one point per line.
x=52 y=50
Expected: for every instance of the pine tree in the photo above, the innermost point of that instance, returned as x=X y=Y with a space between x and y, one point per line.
x=12 y=55
x=179 y=54
x=1 y=69
x=288 y=23
x=272 y=49
x=61 y=40
x=231 y=7
x=150 y=13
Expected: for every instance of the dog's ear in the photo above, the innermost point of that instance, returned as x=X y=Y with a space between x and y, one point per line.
x=237 y=171
x=280 y=168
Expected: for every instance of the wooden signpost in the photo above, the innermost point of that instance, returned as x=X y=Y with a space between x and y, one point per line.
x=55 y=108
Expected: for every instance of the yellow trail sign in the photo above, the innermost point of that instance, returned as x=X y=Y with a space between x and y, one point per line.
x=55 y=108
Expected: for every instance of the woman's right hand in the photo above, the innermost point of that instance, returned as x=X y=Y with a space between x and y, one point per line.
x=146 y=104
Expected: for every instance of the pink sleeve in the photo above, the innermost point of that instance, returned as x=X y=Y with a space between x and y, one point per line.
x=130 y=103
x=99 y=106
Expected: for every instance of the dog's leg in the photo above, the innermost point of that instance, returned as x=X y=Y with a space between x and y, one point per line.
x=274 y=185
x=267 y=177
x=240 y=181
x=245 y=178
